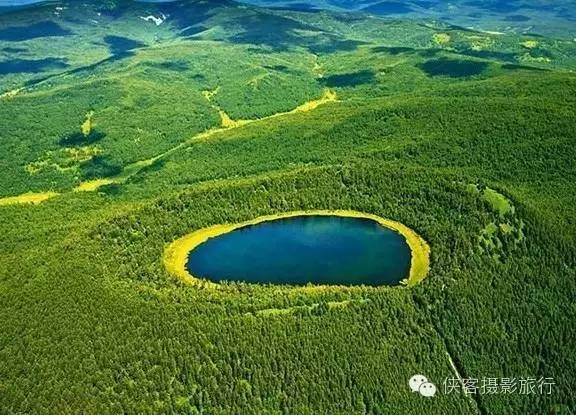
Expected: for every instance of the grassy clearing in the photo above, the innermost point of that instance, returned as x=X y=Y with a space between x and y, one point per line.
x=328 y=96
x=530 y=44
x=93 y=185
x=498 y=201
x=28 y=198
x=441 y=39
x=176 y=254
x=63 y=160
x=11 y=94
x=88 y=124
x=228 y=122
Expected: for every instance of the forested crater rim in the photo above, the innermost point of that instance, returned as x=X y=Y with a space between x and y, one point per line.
x=176 y=254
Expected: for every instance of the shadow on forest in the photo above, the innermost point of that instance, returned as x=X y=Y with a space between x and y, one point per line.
x=424 y=53
x=122 y=47
x=184 y=14
x=538 y=53
x=475 y=15
x=298 y=7
x=453 y=68
x=388 y=7
x=332 y=45
x=192 y=31
x=489 y=54
x=178 y=65
x=79 y=139
x=513 y=67
x=181 y=14
x=498 y=6
x=98 y=167
x=350 y=79
x=276 y=32
x=516 y=18
x=31 y=66
x=349 y=17
x=278 y=68
x=510 y=6
x=508 y=57
x=114 y=10
x=142 y=175
x=14 y=50
x=112 y=189
x=391 y=50
x=33 y=31
x=424 y=4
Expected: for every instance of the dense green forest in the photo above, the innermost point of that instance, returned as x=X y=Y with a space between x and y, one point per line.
x=222 y=113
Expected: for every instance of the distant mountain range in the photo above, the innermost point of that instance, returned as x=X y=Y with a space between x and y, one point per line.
x=554 y=18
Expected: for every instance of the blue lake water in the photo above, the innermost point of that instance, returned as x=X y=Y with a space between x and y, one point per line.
x=305 y=249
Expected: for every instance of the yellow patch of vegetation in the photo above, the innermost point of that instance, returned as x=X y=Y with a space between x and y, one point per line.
x=36 y=167
x=479 y=43
x=506 y=228
x=63 y=160
x=526 y=57
x=228 y=122
x=210 y=94
x=529 y=44
x=225 y=120
x=176 y=254
x=328 y=96
x=93 y=185
x=441 y=39
x=82 y=154
x=88 y=124
x=11 y=94
x=27 y=198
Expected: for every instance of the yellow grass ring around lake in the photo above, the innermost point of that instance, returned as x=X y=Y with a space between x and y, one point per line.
x=176 y=254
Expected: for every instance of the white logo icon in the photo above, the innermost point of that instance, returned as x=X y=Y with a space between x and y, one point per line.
x=415 y=382
x=419 y=383
x=427 y=389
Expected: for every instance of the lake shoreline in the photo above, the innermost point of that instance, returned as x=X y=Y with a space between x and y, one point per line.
x=175 y=256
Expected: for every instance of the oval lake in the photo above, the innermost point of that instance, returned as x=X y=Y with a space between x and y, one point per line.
x=330 y=250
